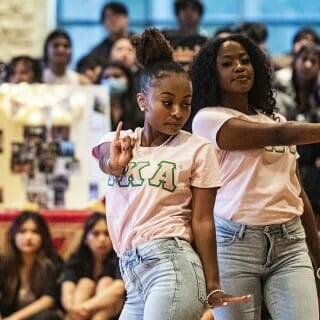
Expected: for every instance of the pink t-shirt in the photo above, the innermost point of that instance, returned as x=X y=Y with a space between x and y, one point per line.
x=153 y=200
x=258 y=186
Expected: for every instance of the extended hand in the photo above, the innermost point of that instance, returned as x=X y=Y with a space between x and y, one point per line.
x=121 y=149
x=220 y=299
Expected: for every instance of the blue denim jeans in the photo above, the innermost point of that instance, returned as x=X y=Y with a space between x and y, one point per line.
x=164 y=280
x=270 y=262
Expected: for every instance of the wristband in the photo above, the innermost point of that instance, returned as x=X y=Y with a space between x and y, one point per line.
x=123 y=172
x=211 y=294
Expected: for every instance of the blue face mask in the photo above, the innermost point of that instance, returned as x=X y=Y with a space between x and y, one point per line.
x=116 y=86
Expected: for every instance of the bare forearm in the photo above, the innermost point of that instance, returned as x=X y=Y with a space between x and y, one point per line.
x=41 y=304
x=294 y=132
x=258 y=135
x=67 y=294
x=109 y=297
x=205 y=243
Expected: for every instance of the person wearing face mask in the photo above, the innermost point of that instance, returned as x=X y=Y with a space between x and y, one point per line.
x=119 y=80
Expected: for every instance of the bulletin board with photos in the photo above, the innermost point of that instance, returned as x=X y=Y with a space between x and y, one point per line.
x=46 y=135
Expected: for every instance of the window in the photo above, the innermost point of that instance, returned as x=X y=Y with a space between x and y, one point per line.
x=81 y=19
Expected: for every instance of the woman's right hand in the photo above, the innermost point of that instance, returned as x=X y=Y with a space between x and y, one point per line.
x=120 y=150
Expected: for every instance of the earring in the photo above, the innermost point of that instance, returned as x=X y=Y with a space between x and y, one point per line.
x=142 y=108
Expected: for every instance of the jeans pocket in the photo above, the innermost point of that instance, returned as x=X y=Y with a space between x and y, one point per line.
x=199 y=274
x=293 y=236
x=225 y=238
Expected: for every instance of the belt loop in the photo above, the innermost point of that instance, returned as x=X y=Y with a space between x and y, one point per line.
x=177 y=240
x=242 y=230
x=284 y=230
x=138 y=257
x=286 y=233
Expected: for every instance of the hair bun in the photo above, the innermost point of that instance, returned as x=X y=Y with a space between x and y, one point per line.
x=151 y=46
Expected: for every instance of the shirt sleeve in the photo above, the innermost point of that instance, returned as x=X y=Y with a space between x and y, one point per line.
x=106 y=138
x=208 y=122
x=72 y=269
x=205 y=173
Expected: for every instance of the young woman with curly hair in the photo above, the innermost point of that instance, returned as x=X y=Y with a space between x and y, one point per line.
x=263 y=217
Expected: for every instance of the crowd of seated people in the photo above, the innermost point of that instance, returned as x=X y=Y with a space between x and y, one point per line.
x=37 y=283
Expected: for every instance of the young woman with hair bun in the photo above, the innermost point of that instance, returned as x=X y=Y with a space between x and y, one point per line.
x=161 y=187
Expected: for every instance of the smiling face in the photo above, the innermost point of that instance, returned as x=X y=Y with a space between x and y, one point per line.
x=234 y=68
x=28 y=239
x=167 y=104
x=59 y=51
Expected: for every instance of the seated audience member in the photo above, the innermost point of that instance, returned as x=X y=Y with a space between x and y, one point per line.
x=123 y=51
x=90 y=67
x=3 y=72
x=186 y=48
x=301 y=37
x=29 y=270
x=23 y=69
x=115 y=19
x=92 y=287
x=188 y=14
x=56 y=57
x=122 y=86
x=256 y=31
x=298 y=98
x=223 y=32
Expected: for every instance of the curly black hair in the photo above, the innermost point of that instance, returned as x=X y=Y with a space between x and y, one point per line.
x=206 y=91
x=154 y=56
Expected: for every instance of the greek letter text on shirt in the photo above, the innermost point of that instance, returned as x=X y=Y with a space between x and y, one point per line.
x=162 y=177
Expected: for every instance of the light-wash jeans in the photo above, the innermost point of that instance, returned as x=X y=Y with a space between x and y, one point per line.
x=270 y=262
x=164 y=280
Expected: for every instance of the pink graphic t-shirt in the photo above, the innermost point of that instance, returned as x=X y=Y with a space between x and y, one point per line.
x=258 y=186
x=153 y=200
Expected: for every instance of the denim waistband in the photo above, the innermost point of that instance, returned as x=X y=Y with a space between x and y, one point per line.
x=153 y=245
x=272 y=228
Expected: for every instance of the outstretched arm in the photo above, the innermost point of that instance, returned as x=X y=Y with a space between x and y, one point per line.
x=258 y=135
x=205 y=242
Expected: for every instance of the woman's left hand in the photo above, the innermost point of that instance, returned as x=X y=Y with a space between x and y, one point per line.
x=221 y=299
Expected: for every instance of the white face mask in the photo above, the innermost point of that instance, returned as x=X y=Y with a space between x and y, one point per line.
x=116 y=86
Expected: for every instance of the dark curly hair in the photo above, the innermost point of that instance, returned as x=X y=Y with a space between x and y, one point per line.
x=206 y=91
x=154 y=56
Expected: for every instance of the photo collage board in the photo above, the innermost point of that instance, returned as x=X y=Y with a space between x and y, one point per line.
x=46 y=136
